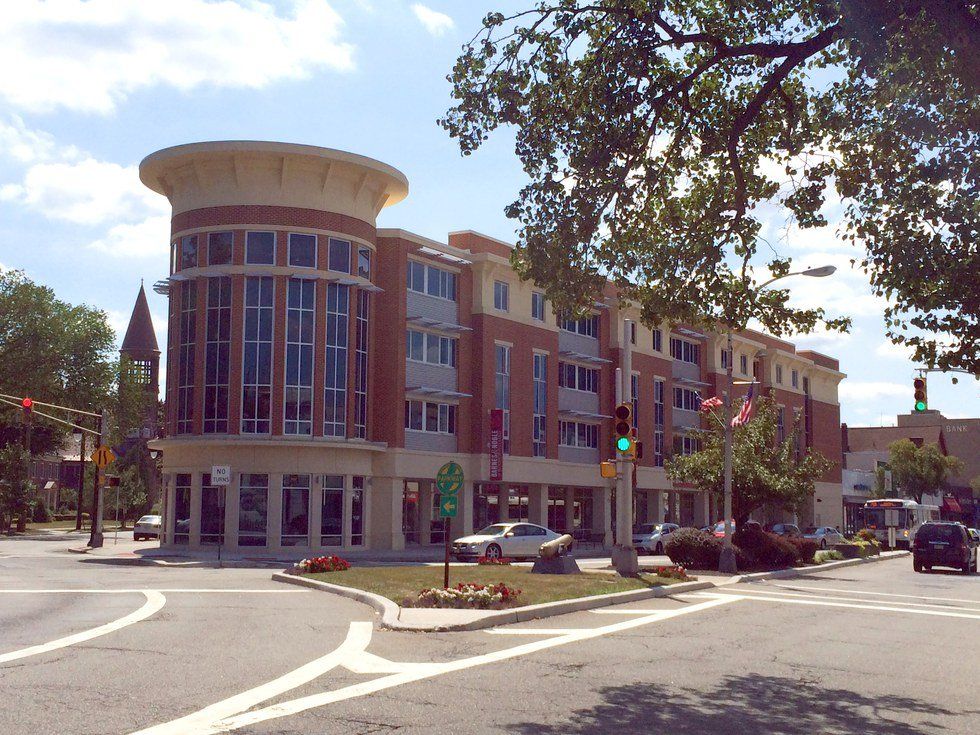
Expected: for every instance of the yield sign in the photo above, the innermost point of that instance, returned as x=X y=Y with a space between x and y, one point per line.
x=448 y=504
x=102 y=457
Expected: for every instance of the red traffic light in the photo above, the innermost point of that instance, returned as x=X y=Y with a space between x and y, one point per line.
x=27 y=403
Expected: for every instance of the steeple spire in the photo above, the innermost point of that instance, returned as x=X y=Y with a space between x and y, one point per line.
x=140 y=337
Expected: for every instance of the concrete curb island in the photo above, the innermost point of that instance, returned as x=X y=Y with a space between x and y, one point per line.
x=394 y=617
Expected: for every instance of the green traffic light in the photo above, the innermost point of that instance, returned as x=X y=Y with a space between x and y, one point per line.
x=920 y=405
x=623 y=444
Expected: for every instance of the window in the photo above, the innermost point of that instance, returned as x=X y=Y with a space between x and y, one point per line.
x=253 y=510
x=298 y=403
x=658 y=340
x=182 y=508
x=185 y=357
x=295 y=528
x=257 y=356
x=216 y=356
x=781 y=423
x=335 y=378
x=364 y=262
x=332 y=511
x=635 y=396
x=687 y=399
x=537 y=306
x=219 y=248
x=806 y=385
x=658 y=422
x=587 y=325
x=361 y=364
x=501 y=296
x=794 y=378
x=632 y=333
x=502 y=388
x=260 y=248
x=174 y=251
x=302 y=250
x=430 y=280
x=539 y=370
x=726 y=360
x=338 y=255
x=430 y=417
x=743 y=364
x=685 y=444
x=779 y=374
x=681 y=349
x=188 y=251
x=212 y=512
x=575 y=434
x=578 y=377
x=357 y=511
x=431 y=348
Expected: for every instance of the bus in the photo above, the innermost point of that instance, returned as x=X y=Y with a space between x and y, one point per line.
x=905 y=516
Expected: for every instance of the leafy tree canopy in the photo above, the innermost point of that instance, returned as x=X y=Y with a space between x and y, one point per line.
x=921 y=470
x=764 y=471
x=653 y=131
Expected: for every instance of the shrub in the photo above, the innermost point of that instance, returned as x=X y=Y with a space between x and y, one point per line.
x=805 y=548
x=827 y=555
x=866 y=534
x=484 y=561
x=766 y=550
x=467 y=595
x=867 y=548
x=689 y=547
x=41 y=513
x=322 y=564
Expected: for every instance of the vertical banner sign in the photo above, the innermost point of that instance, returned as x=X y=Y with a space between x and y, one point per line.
x=496 y=444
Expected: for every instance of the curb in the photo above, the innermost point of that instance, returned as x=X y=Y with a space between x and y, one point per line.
x=390 y=612
x=827 y=566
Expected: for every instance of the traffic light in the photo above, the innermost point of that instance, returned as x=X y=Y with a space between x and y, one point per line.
x=625 y=442
x=27 y=405
x=921 y=399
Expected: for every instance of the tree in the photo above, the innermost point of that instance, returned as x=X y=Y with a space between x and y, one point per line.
x=765 y=472
x=919 y=471
x=16 y=489
x=132 y=492
x=656 y=132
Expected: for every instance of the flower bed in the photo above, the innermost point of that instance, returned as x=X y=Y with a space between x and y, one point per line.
x=321 y=564
x=674 y=572
x=466 y=596
x=487 y=562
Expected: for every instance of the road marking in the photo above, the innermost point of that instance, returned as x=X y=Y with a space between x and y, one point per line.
x=295 y=706
x=628 y=611
x=154 y=601
x=358 y=637
x=879 y=594
x=161 y=589
x=857 y=599
x=531 y=631
x=826 y=603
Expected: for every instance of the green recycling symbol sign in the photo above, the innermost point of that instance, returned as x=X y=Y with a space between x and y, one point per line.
x=449 y=479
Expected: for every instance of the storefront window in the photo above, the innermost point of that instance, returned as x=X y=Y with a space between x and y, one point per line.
x=486 y=505
x=410 y=512
x=212 y=512
x=253 y=510
x=357 y=512
x=295 y=510
x=182 y=509
x=332 y=511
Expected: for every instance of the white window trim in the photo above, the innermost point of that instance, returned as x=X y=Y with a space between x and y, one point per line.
x=425 y=292
x=425 y=349
x=274 y=245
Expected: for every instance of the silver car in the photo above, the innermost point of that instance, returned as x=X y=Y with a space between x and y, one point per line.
x=147 y=527
x=824 y=535
x=503 y=540
x=649 y=538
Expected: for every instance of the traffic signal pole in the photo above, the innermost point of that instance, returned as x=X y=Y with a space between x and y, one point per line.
x=624 y=555
x=96 y=538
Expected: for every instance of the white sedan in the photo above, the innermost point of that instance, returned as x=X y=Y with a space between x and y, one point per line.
x=503 y=540
x=824 y=535
x=147 y=527
x=650 y=537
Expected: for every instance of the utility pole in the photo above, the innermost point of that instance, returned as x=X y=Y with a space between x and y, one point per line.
x=727 y=563
x=81 y=483
x=96 y=537
x=624 y=555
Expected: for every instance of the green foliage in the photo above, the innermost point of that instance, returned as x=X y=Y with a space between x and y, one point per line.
x=689 y=547
x=765 y=550
x=867 y=535
x=131 y=493
x=657 y=135
x=41 y=513
x=806 y=548
x=764 y=471
x=827 y=555
x=16 y=489
x=919 y=471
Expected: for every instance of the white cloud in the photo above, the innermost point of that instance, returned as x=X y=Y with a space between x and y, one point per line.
x=893 y=351
x=435 y=22
x=89 y=55
x=149 y=237
x=20 y=143
x=868 y=391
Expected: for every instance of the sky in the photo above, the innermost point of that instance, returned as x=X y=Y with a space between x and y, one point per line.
x=89 y=88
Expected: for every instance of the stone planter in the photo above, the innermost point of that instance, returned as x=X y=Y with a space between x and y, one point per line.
x=848 y=551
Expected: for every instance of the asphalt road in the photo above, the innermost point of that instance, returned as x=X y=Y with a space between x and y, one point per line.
x=868 y=649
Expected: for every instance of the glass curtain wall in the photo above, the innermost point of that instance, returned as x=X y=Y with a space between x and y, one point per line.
x=257 y=357
x=335 y=378
x=300 y=318
x=216 y=356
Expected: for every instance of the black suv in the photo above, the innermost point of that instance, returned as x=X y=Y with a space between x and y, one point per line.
x=944 y=545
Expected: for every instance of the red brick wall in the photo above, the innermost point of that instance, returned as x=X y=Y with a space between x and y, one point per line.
x=827 y=436
x=270 y=216
x=387 y=356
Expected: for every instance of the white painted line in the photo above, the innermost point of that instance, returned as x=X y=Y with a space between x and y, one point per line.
x=154 y=601
x=358 y=637
x=532 y=631
x=877 y=594
x=756 y=593
x=163 y=589
x=628 y=611
x=295 y=706
x=362 y=662
x=826 y=602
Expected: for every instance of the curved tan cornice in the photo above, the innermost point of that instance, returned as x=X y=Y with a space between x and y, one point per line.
x=237 y=172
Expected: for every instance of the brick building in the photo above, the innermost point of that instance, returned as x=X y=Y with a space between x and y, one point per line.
x=334 y=367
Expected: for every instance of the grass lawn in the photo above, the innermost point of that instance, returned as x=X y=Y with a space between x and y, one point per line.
x=69 y=525
x=397 y=583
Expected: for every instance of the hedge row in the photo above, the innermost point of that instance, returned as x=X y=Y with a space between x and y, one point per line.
x=754 y=549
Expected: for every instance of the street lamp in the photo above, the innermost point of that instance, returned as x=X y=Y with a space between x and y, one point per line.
x=726 y=563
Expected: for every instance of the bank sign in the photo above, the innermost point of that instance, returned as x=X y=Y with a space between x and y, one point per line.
x=496 y=444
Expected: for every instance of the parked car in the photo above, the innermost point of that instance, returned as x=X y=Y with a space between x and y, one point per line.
x=147 y=527
x=824 y=535
x=790 y=530
x=944 y=544
x=720 y=527
x=513 y=540
x=649 y=537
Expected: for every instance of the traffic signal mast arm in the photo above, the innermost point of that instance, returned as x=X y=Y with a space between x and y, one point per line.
x=19 y=403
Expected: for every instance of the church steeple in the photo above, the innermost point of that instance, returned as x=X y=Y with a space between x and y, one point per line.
x=140 y=338
x=142 y=360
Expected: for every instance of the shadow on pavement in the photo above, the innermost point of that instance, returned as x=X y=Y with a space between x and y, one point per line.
x=747 y=705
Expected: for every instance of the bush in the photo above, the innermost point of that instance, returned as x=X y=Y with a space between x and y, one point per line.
x=827 y=555
x=41 y=513
x=867 y=548
x=322 y=564
x=766 y=550
x=467 y=595
x=689 y=547
x=866 y=534
x=805 y=548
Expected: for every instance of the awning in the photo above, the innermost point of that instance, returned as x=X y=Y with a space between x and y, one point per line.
x=951 y=504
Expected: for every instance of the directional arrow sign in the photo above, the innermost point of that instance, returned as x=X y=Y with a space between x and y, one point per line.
x=448 y=505
x=102 y=457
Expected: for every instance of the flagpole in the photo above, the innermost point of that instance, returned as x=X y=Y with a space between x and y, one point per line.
x=726 y=562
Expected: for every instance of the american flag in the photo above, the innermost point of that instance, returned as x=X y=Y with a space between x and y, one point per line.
x=709 y=404
x=745 y=414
